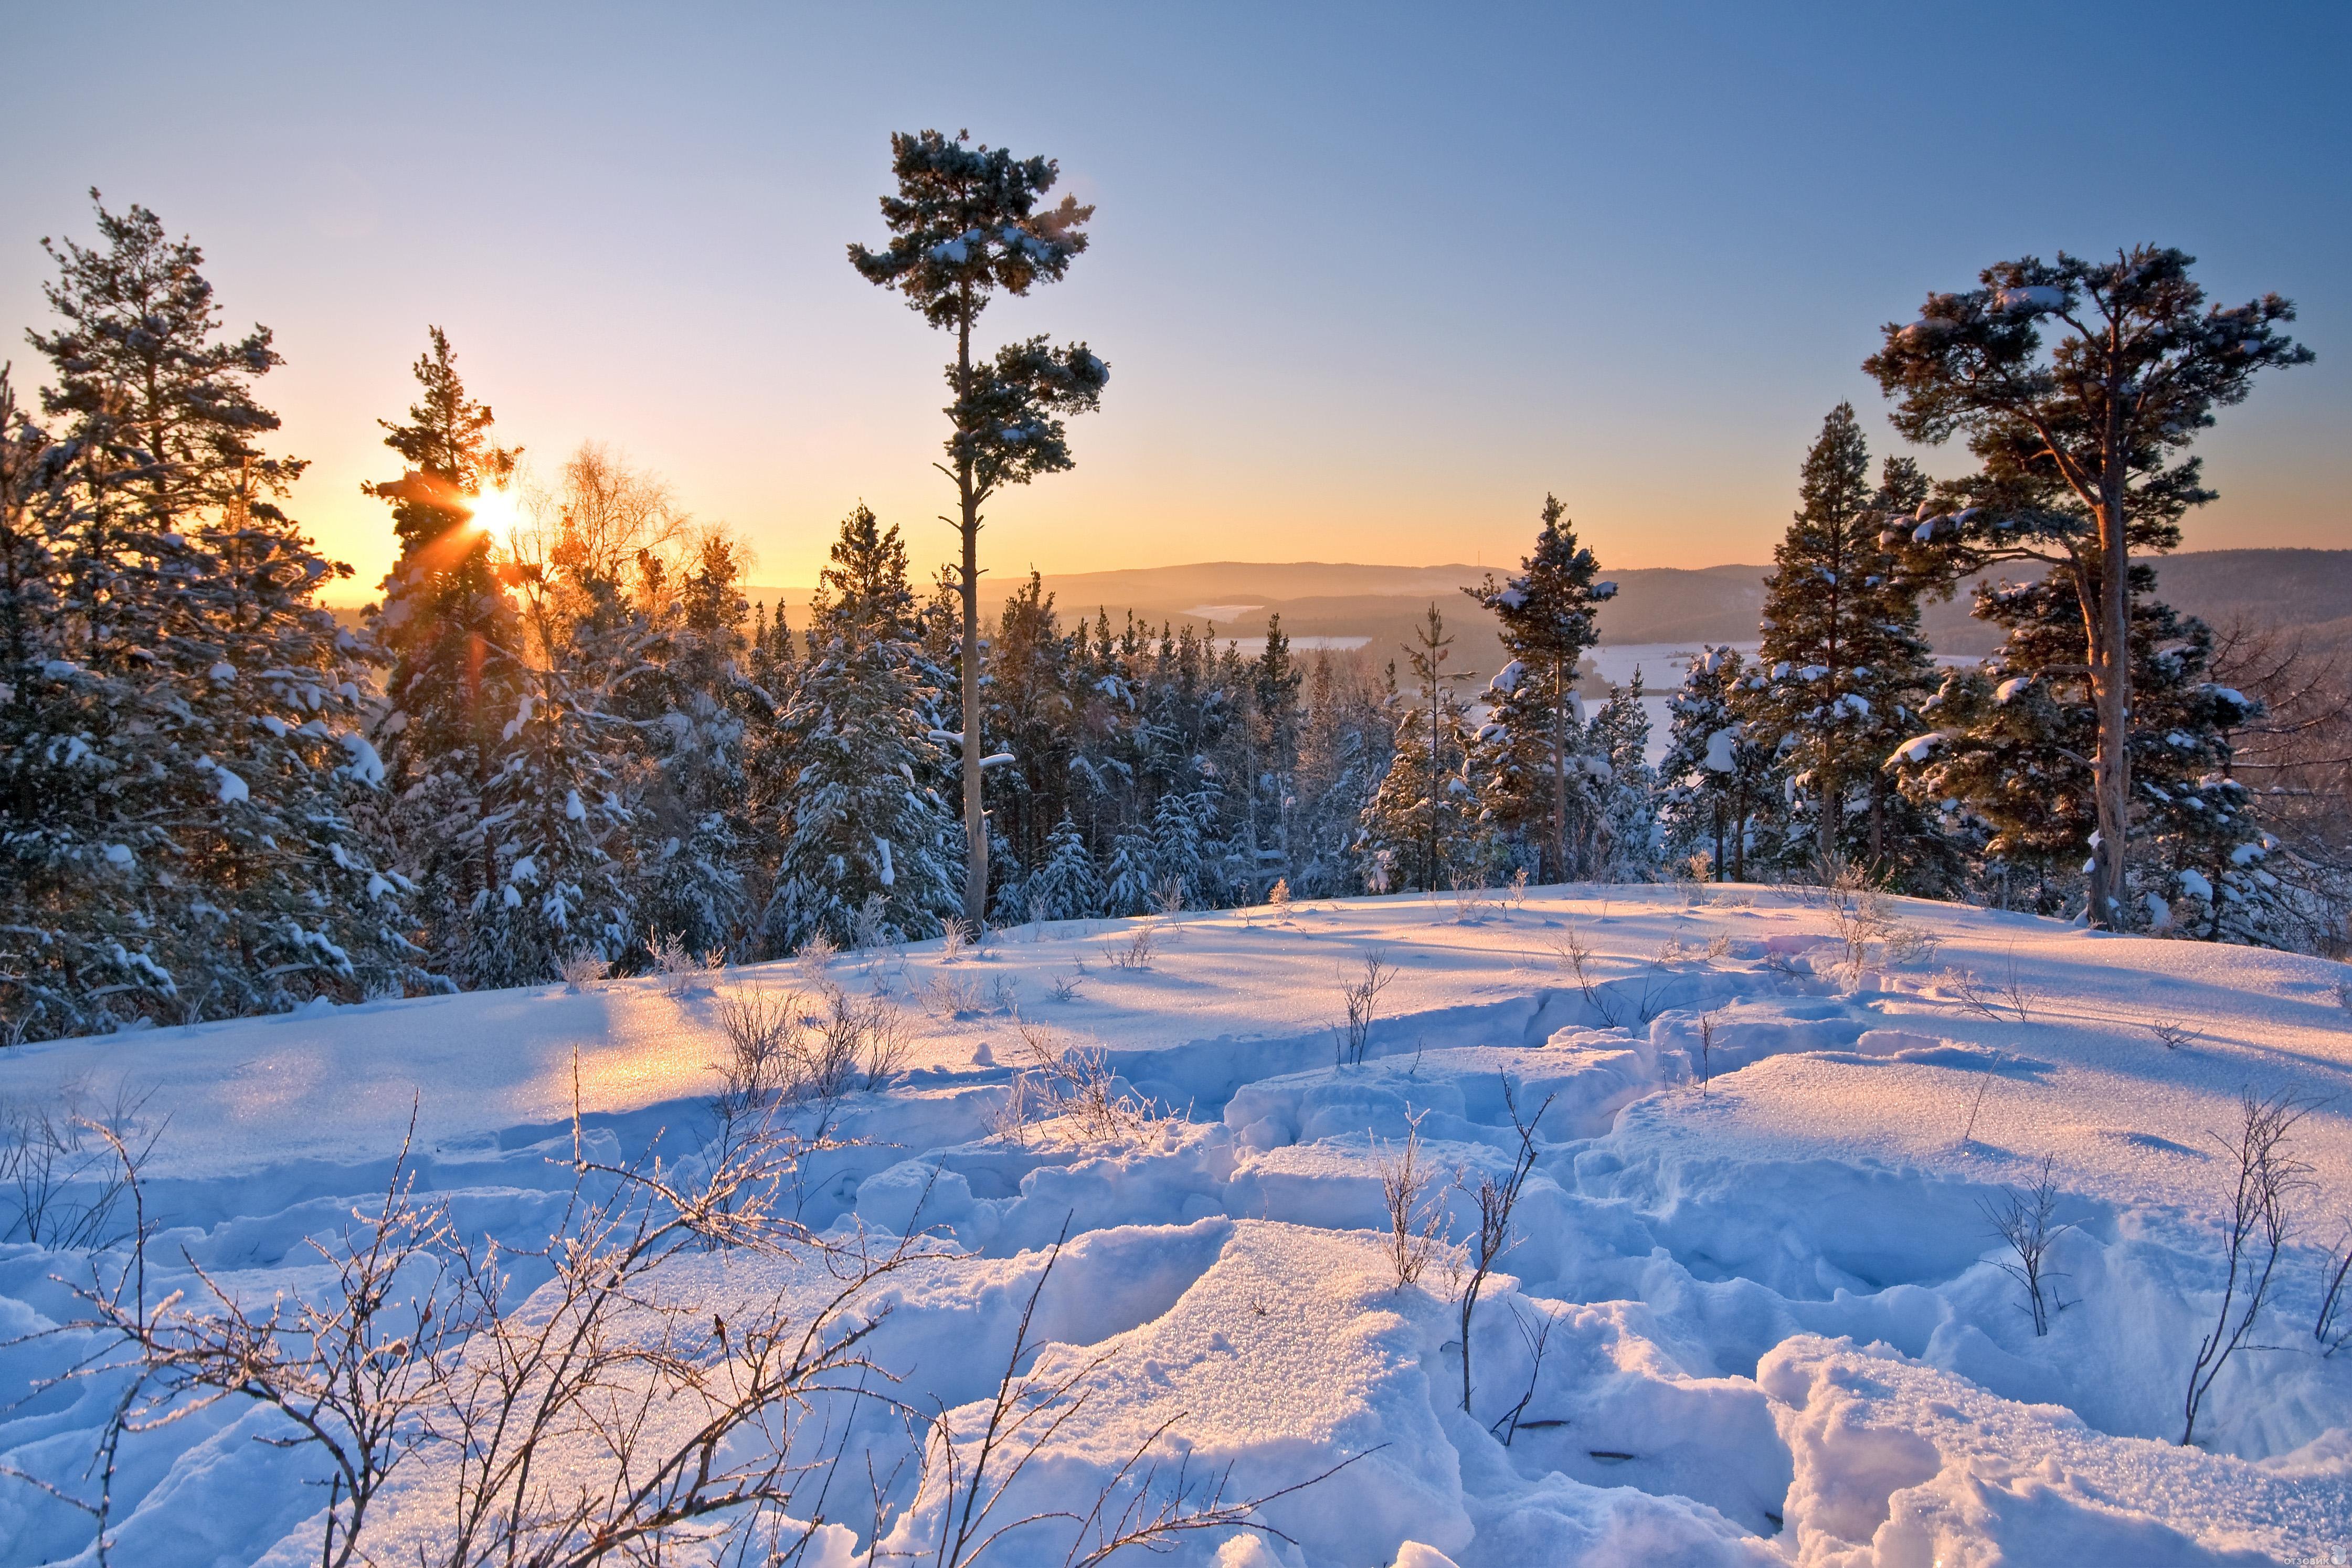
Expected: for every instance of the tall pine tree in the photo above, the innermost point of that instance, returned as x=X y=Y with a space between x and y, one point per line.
x=451 y=627
x=1549 y=615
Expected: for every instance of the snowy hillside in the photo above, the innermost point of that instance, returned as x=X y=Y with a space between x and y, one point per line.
x=1751 y=1307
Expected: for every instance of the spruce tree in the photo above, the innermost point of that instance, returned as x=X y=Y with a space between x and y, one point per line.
x=851 y=751
x=2082 y=444
x=1618 y=742
x=698 y=857
x=1271 y=759
x=451 y=627
x=1843 y=664
x=1713 y=781
x=1422 y=826
x=966 y=223
x=1549 y=615
x=1065 y=886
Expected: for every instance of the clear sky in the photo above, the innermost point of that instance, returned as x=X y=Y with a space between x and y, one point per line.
x=1370 y=280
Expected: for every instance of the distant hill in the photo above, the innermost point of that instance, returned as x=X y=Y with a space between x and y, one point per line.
x=1379 y=606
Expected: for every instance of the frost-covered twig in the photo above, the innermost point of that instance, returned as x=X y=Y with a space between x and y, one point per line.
x=1495 y=1201
x=1416 y=1226
x=2254 y=1231
x=2024 y=1222
x=1507 y=1425
x=1362 y=996
x=2332 y=1325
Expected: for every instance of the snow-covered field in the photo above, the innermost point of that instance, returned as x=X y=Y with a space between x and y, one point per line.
x=1773 y=1323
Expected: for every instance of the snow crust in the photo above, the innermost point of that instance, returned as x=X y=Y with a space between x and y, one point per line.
x=1778 y=1332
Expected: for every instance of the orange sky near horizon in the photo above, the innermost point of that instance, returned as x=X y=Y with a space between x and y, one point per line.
x=1371 y=282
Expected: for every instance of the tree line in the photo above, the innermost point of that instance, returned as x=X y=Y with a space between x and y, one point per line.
x=576 y=739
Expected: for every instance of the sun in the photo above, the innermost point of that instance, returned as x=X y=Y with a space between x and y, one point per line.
x=494 y=513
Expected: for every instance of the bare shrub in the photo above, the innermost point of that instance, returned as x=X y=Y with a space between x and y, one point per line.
x=1578 y=959
x=1076 y=1086
x=1009 y=1122
x=1516 y=889
x=1537 y=1339
x=1908 y=944
x=870 y=927
x=1003 y=994
x=1065 y=987
x=815 y=959
x=952 y=996
x=1362 y=997
x=1143 y=942
x=2025 y=1222
x=1469 y=899
x=66 y=1168
x=955 y=940
x=1495 y=1201
x=1706 y=1050
x=2008 y=1001
x=2332 y=1325
x=760 y=1067
x=367 y=1366
x=1417 y=1221
x=2172 y=1034
x=2254 y=1231
x=1860 y=914
x=856 y=1042
x=583 y=968
x=1278 y=898
x=681 y=972
x=1168 y=897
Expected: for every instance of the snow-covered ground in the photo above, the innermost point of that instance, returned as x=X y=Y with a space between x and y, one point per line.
x=1778 y=1331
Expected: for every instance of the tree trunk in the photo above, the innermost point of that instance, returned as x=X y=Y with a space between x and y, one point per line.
x=975 y=809
x=1877 y=817
x=2110 y=661
x=1560 y=692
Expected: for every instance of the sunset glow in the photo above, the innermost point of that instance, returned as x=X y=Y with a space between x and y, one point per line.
x=494 y=513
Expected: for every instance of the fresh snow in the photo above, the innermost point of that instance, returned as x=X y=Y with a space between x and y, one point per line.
x=1777 y=1329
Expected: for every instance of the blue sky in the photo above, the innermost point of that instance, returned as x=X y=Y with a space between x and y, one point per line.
x=1370 y=280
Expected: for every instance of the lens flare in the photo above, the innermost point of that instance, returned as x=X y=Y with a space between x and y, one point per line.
x=494 y=513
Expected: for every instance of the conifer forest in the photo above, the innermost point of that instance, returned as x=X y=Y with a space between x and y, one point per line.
x=564 y=739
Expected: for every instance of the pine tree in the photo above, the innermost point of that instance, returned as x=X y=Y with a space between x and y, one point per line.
x=1618 y=742
x=851 y=749
x=1712 y=782
x=1842 y=663
x=1549 y=615
x=2081 y=447
x=182 y=725
x=455 y=637
x=1422 y=826
x=2005 y=767
x=552 y=815
x=1027 y=714
x=1344 y=745
x=699 y=859
x=1065 y=886
x=1270 y=760
x=966 y=223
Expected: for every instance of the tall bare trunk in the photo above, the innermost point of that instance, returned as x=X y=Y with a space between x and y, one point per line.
x=1560 y=678
x=975 y=809
x=2110 y=650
